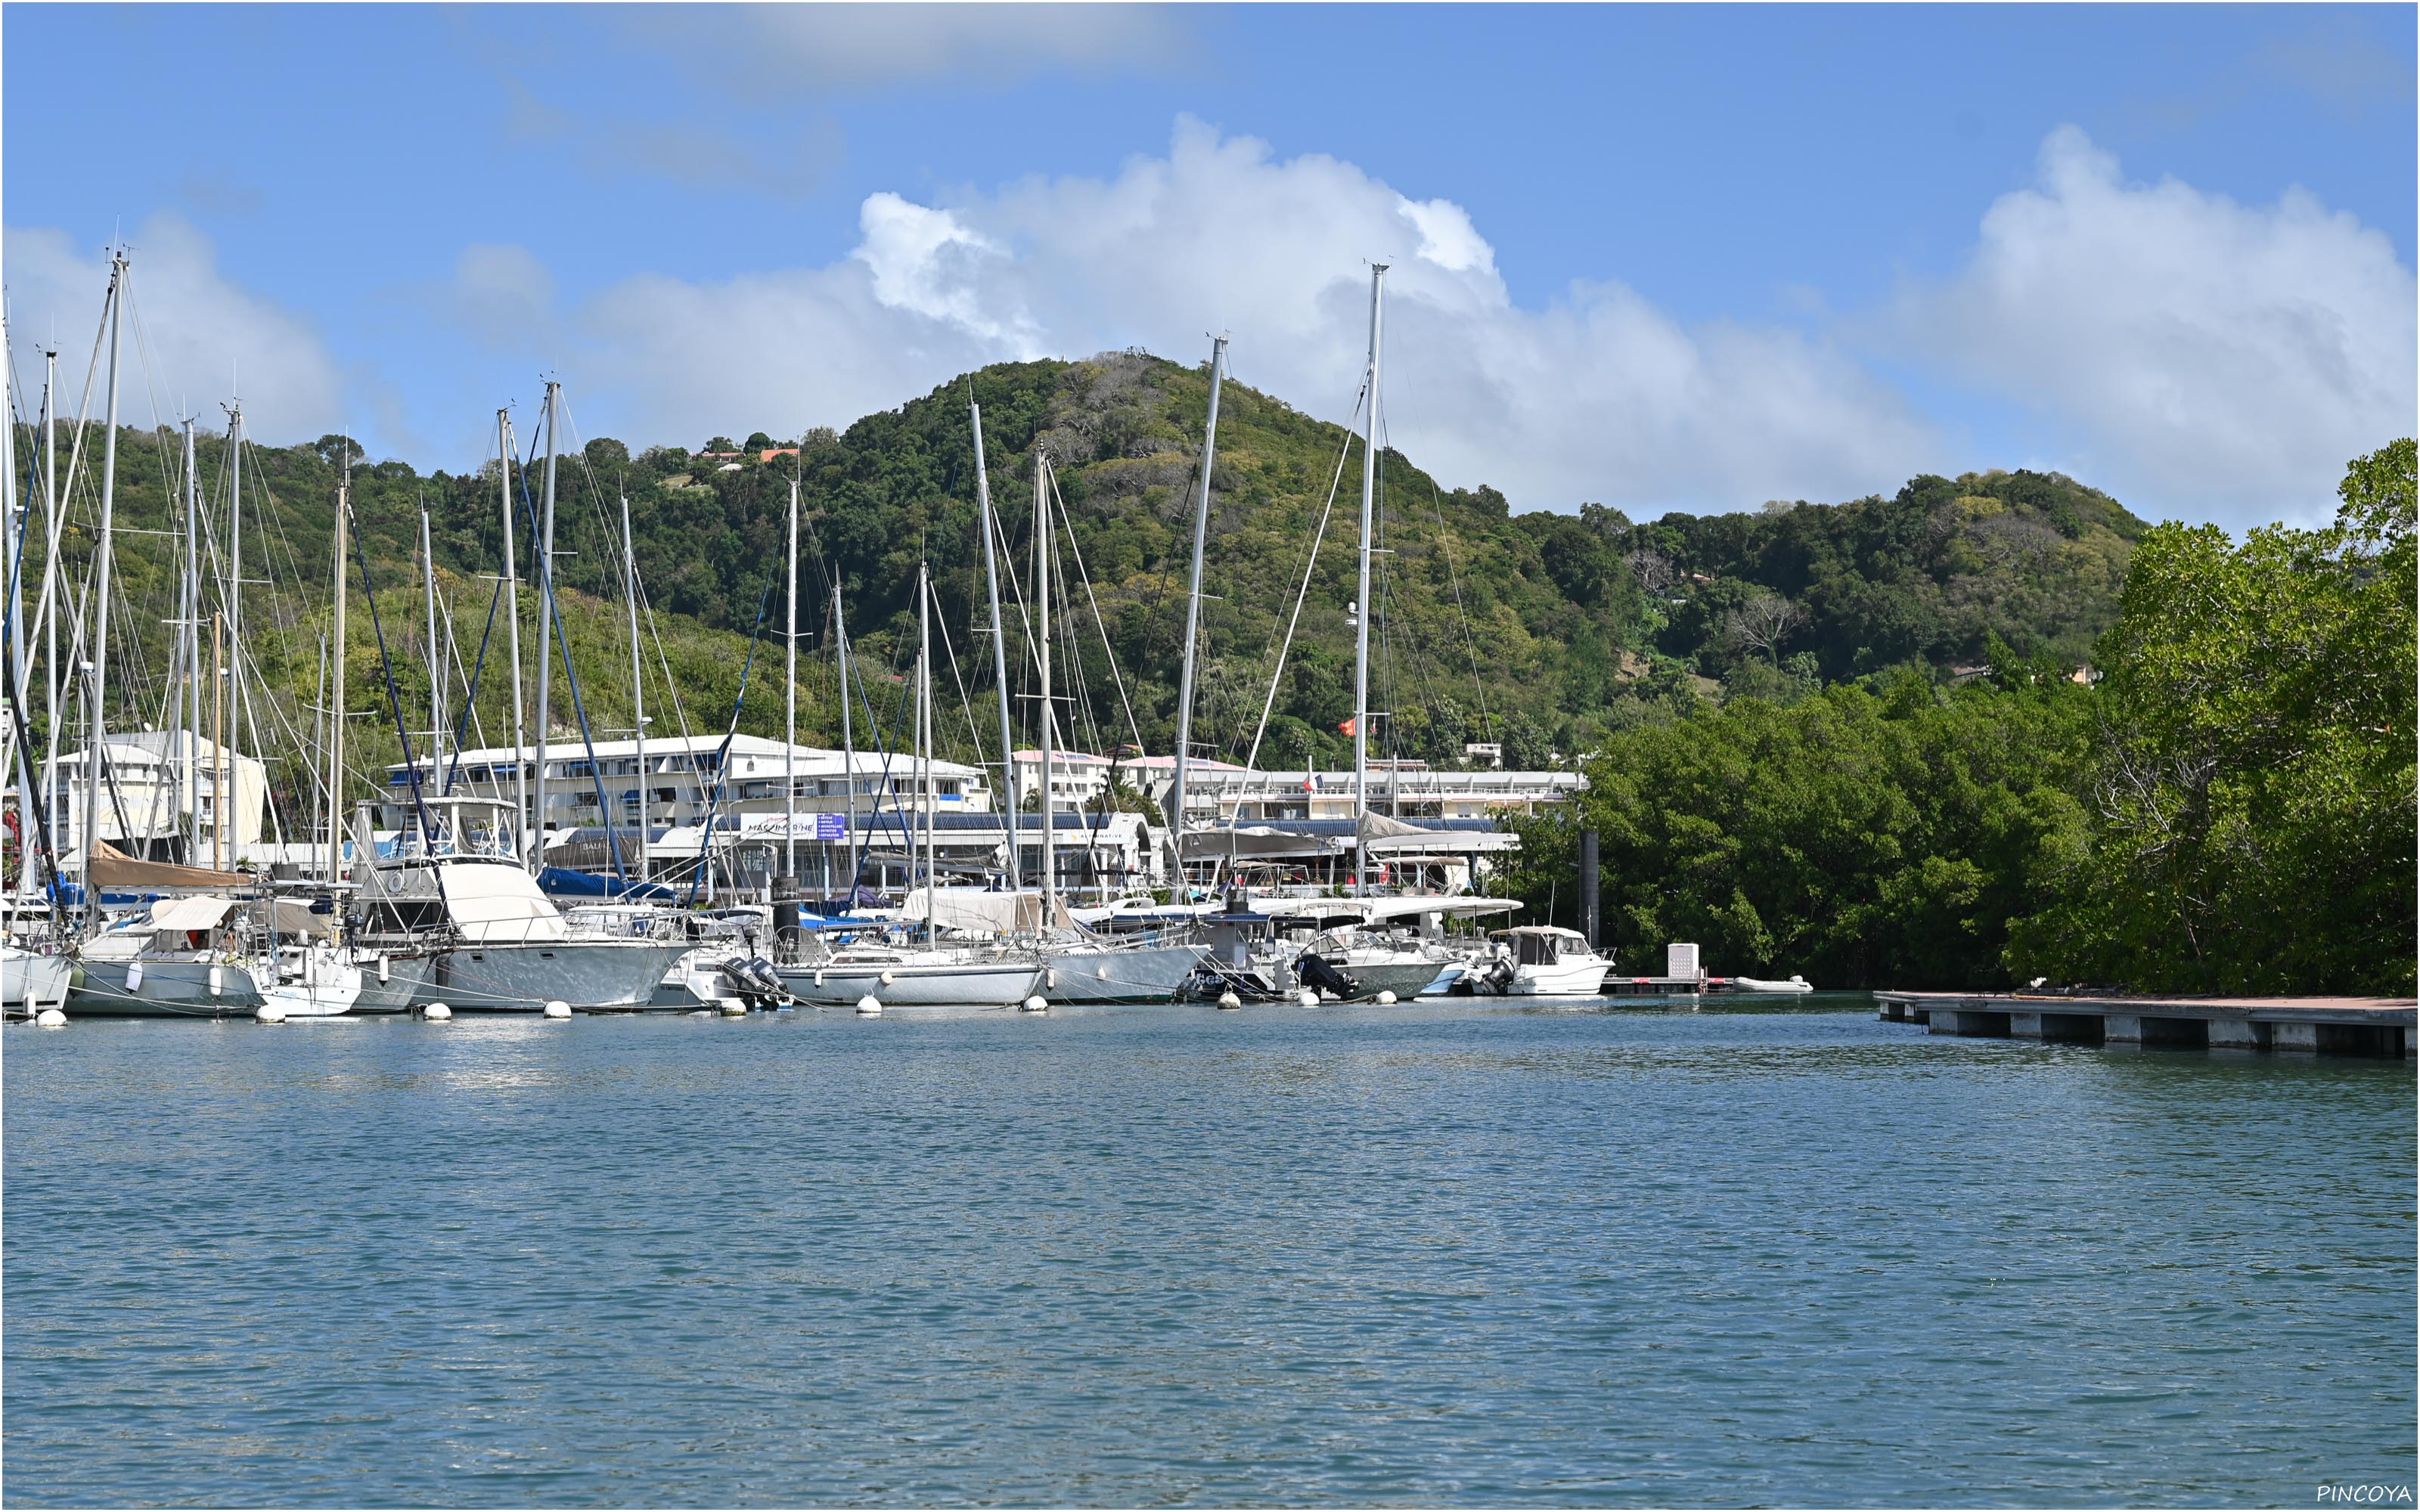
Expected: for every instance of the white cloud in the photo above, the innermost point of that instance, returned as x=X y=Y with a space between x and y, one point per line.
x=2205 y=358
x=201 y=337
x=1598 y=397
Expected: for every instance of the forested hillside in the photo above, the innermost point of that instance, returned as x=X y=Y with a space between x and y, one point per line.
x=1546 y=630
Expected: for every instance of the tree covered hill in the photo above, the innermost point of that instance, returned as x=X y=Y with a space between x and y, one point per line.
x=1546 y=630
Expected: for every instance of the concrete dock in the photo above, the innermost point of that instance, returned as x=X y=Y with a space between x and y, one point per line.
x=2380 y=1026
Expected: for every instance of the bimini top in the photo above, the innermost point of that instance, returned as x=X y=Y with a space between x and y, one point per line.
x=1556 y=930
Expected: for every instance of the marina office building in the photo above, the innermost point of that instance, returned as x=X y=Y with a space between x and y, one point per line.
x=143 y=808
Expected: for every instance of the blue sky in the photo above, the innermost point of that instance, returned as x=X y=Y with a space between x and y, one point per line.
x=1667 y=257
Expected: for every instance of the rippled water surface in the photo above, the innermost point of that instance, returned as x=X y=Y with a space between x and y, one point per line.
x=1431 y=1254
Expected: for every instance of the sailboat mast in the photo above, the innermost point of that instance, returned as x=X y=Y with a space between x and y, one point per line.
x=638 y=684
x=190 y=639
x=1042 y=646
x=790 y=704
x=998 y=648
x=513 y=617
x=544 y=633
x=437 y=657
x=235 y=579
x=1361 y=604
x=1193 y=617
x=924 y=744
x=50 y=585
x=337 y=696
x=97 y=690
x=848 y=729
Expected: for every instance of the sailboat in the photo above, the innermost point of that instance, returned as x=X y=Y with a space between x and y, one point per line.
x=989 y=974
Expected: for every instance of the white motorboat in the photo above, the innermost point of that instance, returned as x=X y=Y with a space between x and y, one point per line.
x=923 y=977
x=1537 y=960
x=492 y=941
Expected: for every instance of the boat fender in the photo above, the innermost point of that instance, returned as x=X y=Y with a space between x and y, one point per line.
x=218 y=985
x=134 y=977
x=888 y=980
x=386 y=970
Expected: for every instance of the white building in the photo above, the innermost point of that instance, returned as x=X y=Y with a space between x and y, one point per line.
x=143 y=807
x=684 y=777
x=1218 y=794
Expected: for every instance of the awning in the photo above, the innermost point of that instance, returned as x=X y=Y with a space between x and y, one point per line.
x=189 y=913
x=109 y=867
x=1255 y=843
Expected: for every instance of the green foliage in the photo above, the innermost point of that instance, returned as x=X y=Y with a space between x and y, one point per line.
x=1862 y=837
x=2229 y=810
x=2252 y=791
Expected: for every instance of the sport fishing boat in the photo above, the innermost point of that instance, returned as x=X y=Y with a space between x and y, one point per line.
x=491 y=941
x=1536 y=960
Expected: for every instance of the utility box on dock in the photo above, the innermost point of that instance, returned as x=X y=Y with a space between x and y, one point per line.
x=1680 y=962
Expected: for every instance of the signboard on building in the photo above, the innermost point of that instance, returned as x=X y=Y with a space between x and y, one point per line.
x=831 y=826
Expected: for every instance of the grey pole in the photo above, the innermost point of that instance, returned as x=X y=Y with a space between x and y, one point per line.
x=790 y=706
x=1588 y=885
x=190 y=609
x=638 y=685
x=1193 y=618
x=336 y=704
x=1041 y=645
x=436 y=652
x=999 y=652
x=544 y=633
x=234 y=598
x=98 y=689
x=1361 y=604
x=513 y=615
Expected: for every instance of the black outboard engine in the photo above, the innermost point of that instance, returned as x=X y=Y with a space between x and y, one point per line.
x=1313 y=970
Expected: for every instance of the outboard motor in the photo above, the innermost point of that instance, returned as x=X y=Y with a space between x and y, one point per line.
x=766 y=981
x=1314 y=971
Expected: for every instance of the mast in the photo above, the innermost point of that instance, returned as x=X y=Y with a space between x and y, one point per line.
x=924 y=744
x=1361 y=618
x=1193 y=619
x=999 y=651
x=638 y=684
x=97 y=690
x=437 y=657
x=336 y=695
x=1041 y=645
x=545 y=633
x=513 y=607
x=49 y=589
x=192 y=639
x=234 y=592
x=790 y=706
x=848 y=729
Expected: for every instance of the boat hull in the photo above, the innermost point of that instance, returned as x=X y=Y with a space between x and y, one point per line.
x=1153 y=974
x=30 y=983
x=168 y=989
x=523 y=977
x=986 y=984
x=1406 y=980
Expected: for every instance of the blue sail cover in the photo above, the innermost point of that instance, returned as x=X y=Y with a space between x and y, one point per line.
x=563 y=882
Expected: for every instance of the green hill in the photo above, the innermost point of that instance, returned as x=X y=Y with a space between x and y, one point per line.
x=1544 y=630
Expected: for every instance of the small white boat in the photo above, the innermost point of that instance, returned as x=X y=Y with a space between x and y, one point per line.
x=314 y=980
x=30 y=982
x=1758 y=984
x=926 y=978
x=1537 y=960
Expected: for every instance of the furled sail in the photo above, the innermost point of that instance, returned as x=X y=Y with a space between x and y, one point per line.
x=110 y=867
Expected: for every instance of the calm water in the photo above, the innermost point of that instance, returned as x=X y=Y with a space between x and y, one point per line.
x=1415 y=1255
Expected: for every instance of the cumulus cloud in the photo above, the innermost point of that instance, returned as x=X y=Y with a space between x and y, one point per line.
x=2198 y=356
x=201 y=336
x=1599 y=397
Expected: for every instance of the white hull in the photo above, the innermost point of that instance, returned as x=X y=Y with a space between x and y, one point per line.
x=981 y=984
x=1753 y=984
x=1564 y=979
x=1149 y=973
x=30 y=983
